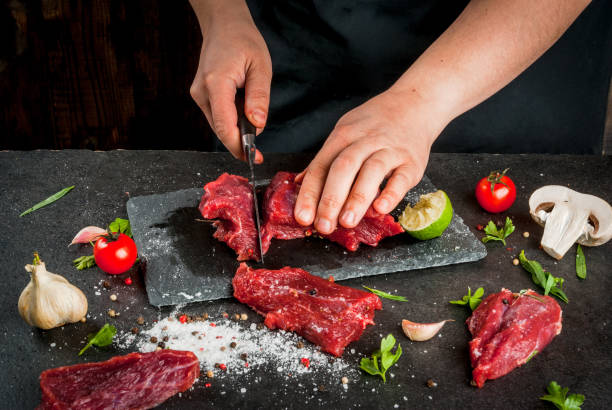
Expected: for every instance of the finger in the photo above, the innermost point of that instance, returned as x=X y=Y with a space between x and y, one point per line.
x=257 y=93
x=258 y=157
x=222 y=94
x=367 y=185
x=403 y=179
x=340 y=178
x=314 y=176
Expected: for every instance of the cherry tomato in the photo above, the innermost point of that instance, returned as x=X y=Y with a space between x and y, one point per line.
x=115 y=253
x=496 y=193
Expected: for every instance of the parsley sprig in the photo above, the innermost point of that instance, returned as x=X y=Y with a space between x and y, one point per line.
x=543 y=279
x=558 y=396
x=104 y=337
x=472 y=300
x=386 y=295
x=385 y=355
x=494 y=234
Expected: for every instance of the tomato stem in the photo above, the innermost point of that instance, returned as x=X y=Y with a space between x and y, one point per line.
x=495 y=177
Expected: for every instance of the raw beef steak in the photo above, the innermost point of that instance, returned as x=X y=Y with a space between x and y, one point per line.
x=327 y=314
x=508 y=329
x=230 y=199
x=133 y=381
x=278 y=220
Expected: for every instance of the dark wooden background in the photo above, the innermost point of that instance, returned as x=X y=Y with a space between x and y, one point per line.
x=100 y=75
x=106 y=74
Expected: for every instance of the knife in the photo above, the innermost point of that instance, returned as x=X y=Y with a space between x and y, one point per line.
x=247 y=134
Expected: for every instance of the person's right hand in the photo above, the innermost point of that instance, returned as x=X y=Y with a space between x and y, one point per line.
x=234 y=55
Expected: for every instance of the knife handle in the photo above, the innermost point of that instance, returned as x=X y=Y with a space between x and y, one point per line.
x=244 y=125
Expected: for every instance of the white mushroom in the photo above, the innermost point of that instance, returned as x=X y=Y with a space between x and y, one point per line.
x=568 y=217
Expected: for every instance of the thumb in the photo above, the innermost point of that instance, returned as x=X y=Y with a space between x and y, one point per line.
x=257 y=94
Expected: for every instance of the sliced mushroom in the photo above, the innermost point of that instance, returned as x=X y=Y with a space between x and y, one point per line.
x=568 y=217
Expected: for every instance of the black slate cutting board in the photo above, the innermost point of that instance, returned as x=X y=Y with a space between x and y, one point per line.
x=184 y=263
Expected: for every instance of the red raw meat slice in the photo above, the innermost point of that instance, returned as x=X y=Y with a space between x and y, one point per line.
x=279 y=201
x=230 y=199
x=327 y=314
x=134 y=381
x=508 y=329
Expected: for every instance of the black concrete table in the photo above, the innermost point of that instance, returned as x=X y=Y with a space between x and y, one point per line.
x=579 y=357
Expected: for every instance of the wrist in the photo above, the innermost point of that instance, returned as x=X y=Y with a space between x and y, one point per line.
x=224 y=12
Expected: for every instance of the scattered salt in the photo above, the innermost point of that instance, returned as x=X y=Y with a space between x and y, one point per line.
x=52 y=344
x=243 y=390
x=97 y=293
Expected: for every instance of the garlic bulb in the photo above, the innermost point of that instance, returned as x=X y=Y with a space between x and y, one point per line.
x=49 y=300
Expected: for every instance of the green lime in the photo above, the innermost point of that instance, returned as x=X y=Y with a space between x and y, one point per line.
x=430 y=216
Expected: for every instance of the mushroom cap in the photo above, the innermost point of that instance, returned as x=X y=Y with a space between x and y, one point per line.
x=598 y=211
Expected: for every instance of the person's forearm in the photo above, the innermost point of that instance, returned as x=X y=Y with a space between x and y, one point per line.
x=489 y=44
x=208 y=9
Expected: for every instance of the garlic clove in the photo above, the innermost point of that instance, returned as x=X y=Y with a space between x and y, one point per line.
x=49 y=300
x=420 y=332
x=88 y=234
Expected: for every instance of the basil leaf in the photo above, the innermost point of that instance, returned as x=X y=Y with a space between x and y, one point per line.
x=47 y=201
x=386 y=295
x=120 y=225
x=84 y=262
x=550 y=281
x=580 y=263
x=542 y=278
x=104 y=337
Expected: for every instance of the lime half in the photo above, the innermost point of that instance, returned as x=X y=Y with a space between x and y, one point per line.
x=430 y=216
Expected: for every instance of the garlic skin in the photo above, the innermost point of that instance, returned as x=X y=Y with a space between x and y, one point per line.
x=420 y=332
x=49 y=300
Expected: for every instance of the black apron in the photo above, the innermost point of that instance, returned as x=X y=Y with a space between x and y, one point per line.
x=330 y=56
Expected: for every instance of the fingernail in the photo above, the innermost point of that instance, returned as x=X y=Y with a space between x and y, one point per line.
x=383 y=204
x=304 y=215
x=348 y=217
x=259 y=117
x=323 y=225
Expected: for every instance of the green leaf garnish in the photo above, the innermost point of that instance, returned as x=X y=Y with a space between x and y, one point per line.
x=535 y=352
x=84 y=262
x=558 y=396
x=386 y=295
x=104 y=337
x=543 y=279
x=472 y=300
x=120 y=225
x=494 y=234
x=386 y=356
x=47 y=201
x=580 y=263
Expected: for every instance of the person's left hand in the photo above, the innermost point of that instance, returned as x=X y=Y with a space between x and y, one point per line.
x=388 y=136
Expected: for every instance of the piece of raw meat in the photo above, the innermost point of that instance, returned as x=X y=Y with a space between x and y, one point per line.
x=278 y=220
x=133 y=381
x=230 y=200
x=327 y=314
x=508 y=329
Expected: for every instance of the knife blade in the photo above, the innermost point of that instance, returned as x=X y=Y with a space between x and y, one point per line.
x=247 y=134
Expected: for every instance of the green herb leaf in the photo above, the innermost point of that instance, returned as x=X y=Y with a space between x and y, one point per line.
x=580 y=263
x=558 y=396
x=472 y=300
x=494 y=234
x=545 y=280
x=84 y=262
x=386 y=295
x=535 y=352
x=47 y=201
x=387 y=358
x=120 y=225
x=104 y=337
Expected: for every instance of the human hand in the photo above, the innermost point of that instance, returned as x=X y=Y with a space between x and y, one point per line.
x=388 y=136
x=234 y=55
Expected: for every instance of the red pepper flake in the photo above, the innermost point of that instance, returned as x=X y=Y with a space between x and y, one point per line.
x=479 y=227
x=212 y=324
x=331 y=279
x=183 y=318
x=246 y=365
x=207 y=385
x=222 y=366
x=219 y=337
x=250 y=252
x=201 y=349
x=305 y=362
x=308 y=232
x=127 y=281
x=508 y=249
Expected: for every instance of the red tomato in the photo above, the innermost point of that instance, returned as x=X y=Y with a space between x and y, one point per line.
x=114 y=253
x=496 y=193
